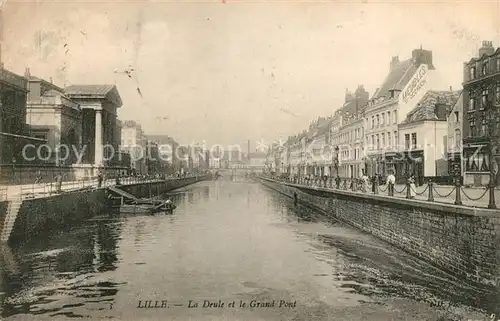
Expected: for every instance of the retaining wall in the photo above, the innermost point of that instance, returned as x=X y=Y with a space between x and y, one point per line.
x=461 y=240
x=58 y=212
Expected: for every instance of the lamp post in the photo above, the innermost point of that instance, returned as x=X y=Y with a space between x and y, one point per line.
x=491 y=141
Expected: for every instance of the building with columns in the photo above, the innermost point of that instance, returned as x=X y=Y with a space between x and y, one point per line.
x=55 y=118
x=99 y=104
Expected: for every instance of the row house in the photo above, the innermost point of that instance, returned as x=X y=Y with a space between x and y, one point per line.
x=135 y=143
x=424 y=134
x=317 y=156
x=455 y=144
x=481 y=115
x=347 y=134
x=405 y=84
x=295 y=153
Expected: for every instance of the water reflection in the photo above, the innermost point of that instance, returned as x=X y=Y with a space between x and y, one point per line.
x=61 y=266
x=373 y=268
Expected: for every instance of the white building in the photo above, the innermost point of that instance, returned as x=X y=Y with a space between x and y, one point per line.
x=406 y=83
x=424 y=135
x=135 y=143
x=455 y=134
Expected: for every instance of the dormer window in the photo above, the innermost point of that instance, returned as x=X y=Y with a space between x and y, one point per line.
x=484 y=69
x=472 y=73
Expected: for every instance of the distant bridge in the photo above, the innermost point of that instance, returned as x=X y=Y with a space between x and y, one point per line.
x=236 y=171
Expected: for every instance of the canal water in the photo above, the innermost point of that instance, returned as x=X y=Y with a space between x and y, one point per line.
x=232 y=250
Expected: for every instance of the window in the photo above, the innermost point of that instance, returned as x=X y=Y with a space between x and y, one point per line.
x=395 y=117
x=472 y=74
x=389 y=139
x=396 y=141
x=378 y=120
x=378 y=142
x=472 y=101
x=407 y=141
x=456 y=117
x=484 y=97
x=388 y=117
x=484 y=124
x=383 y=119
x=414 y=140
x=373 y=141
x=472 y=127
x=458 y=139
x=383 y=140
x=484 y=69
x=373 y=122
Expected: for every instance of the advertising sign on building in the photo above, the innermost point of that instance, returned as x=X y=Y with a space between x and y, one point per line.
x=415 y=85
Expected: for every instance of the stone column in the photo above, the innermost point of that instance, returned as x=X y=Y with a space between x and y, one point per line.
x=98 y=161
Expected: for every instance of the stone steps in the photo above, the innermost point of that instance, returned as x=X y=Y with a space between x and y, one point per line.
x=10 y=219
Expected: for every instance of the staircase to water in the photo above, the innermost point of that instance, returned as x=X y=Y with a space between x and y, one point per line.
x=7 y=224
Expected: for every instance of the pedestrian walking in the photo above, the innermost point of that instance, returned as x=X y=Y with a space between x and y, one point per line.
x=99 y=178
x=391 y=180
x=412 y=186
x=59 y=183
x=365 y=181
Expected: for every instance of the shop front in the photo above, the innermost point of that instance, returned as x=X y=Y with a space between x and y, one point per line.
x=409 y=163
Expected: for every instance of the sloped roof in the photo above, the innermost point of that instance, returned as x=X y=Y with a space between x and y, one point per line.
x=425 y=108
x=397 y=78
x=109 y=92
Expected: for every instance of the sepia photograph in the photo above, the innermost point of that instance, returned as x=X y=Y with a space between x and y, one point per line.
x=250 y=160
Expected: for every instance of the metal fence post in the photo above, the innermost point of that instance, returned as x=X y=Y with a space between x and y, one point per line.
x=431 y=195
x=458 y=198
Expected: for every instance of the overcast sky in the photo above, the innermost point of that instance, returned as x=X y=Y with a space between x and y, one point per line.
x=225 y=72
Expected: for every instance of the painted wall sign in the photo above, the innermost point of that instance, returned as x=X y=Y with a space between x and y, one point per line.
x=416 y=83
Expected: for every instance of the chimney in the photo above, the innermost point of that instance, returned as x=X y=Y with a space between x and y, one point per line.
x=451 y=88
x=422 y=56
x=27 y=73
x=486 y=48
x=50 y=79
x=394 y=62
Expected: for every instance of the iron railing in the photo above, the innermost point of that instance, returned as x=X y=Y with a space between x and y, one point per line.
x=430 y=192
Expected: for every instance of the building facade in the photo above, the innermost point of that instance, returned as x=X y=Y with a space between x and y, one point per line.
x=455 y=144
x=348 y=133
x=405 y=84
x=14 y=132
x=134 y=143
x=481 y=116
x=99 y=104
x=423 y=135
x=55 y=118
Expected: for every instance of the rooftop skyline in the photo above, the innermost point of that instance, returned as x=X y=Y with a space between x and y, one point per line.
x=227 y=72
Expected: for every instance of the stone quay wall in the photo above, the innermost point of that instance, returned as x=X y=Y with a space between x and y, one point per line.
x=42 y=216
x=460 y=240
